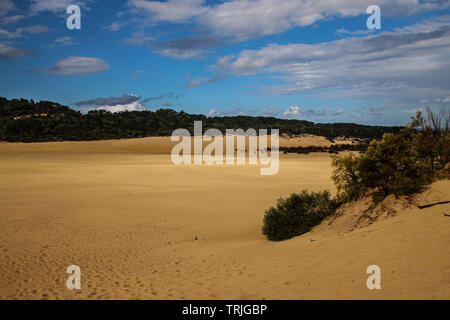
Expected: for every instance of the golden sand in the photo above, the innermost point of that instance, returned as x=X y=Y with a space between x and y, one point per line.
x=129 y=218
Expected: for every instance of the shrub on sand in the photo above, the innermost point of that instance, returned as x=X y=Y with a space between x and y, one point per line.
x=297 y=214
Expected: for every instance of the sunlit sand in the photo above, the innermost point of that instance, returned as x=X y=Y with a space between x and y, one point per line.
x=142 y=228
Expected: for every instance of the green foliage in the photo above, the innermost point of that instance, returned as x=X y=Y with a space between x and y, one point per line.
x=27 y=121
x=297 y=214
x=391 y=166
x=431 y=138
x=346 y=177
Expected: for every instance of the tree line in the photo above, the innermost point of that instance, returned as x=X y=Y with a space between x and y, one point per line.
x=23 y=120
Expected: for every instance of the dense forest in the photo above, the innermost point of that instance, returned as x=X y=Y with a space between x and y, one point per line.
x=24 y=120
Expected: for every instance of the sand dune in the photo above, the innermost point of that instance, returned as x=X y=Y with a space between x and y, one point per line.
x=129 y=219
x=152 y=145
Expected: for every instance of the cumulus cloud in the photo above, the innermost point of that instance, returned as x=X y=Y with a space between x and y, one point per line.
x=134 y=106
x=10 y=52
x=295 y=111
x=292 y=111
x=77 y=66
x=404 y=65
x=125 y=99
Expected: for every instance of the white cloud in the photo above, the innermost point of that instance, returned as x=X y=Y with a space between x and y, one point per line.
x=170 y=11
x=244 y=19
x=35 y=29
x=292 y=111
x=77 y=66
x=10 y=52
x=214 y=113
x=55 y=6
x=134 y=106
x=295 y=111
x=179 y=54
x=65 y=41
x=404 y=65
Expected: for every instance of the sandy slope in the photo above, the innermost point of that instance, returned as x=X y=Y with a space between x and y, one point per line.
x=129 y=220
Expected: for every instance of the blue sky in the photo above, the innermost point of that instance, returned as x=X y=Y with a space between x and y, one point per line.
x=301 y=59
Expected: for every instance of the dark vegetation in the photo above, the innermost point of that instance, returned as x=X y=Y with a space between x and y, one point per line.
x=399 y=164
x=361 y=146
x=26 y=121
x=297 y=214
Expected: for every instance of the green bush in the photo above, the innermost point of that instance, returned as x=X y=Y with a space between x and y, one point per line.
x=391 y=166
x=297 y=214
x=431 y=138
x=346 y=177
